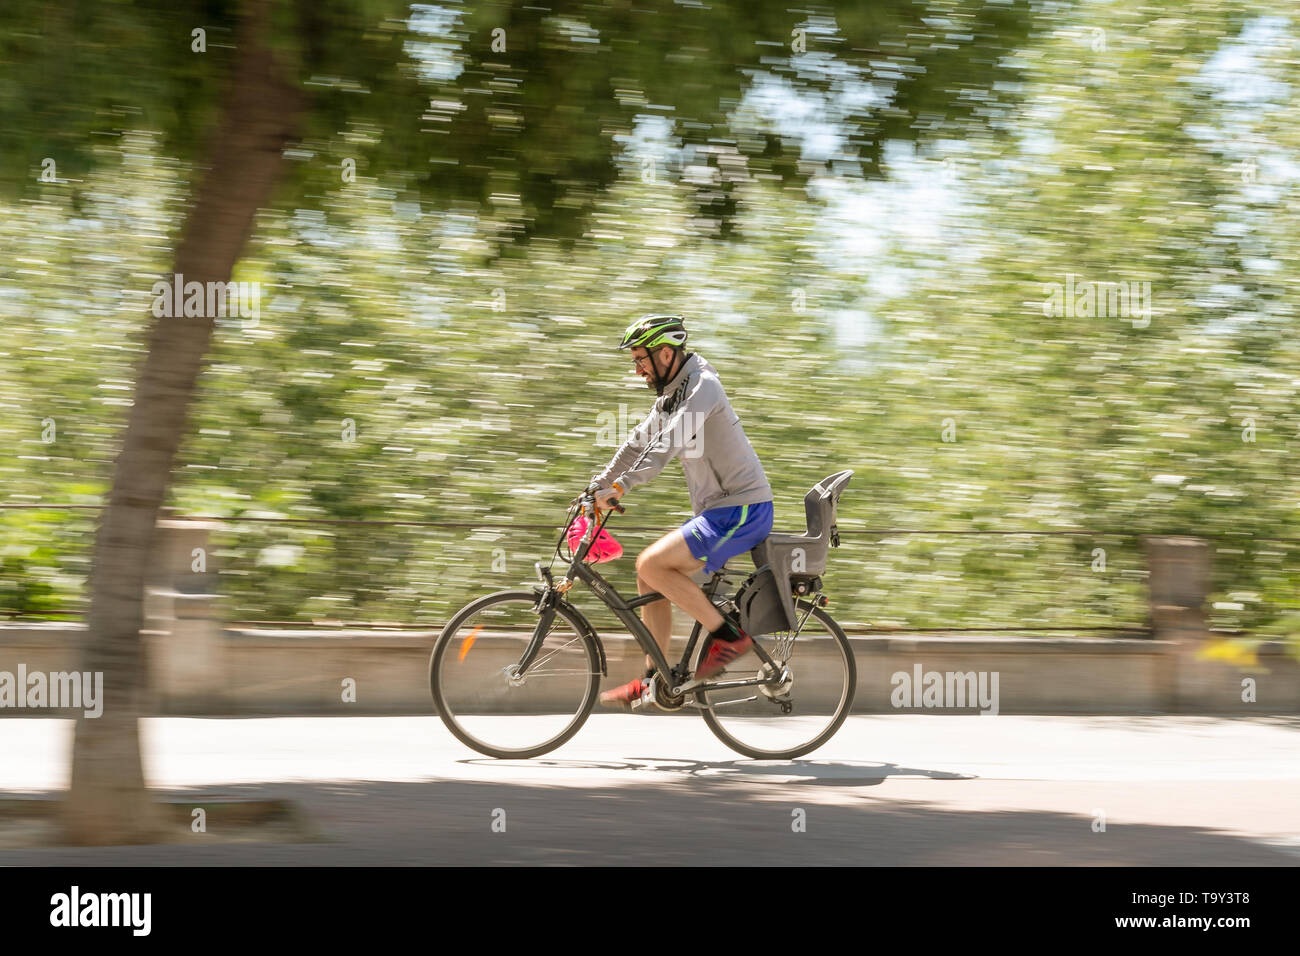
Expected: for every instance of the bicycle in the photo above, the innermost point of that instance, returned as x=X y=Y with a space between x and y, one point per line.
x=518 y=665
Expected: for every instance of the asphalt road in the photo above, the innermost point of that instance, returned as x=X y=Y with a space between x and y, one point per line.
x=654 y=789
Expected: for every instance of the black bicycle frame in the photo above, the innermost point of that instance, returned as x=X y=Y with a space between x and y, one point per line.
x=623 y=609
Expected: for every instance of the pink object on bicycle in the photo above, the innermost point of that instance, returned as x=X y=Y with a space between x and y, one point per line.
x=604 y=548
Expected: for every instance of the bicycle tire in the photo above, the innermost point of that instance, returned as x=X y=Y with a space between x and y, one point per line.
x=840 y=708
x=453 y=713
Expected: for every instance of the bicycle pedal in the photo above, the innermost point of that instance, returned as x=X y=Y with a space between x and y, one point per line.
x=647 y=696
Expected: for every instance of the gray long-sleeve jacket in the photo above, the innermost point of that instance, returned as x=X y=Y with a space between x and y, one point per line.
x=693 y=419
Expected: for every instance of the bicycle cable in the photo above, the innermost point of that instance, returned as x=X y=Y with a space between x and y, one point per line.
x=575 y=508
x=564 y=533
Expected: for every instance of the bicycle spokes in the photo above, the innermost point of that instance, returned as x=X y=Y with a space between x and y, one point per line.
x=793 y=702
x=506 y=690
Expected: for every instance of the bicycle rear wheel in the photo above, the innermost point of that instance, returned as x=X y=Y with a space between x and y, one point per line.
x=802 y=712
x=479 y=693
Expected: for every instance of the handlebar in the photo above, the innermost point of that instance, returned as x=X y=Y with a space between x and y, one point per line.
x=587 y=501
x=585 y=504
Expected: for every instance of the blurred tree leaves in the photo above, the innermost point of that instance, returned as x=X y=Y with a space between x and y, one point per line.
x=475 y=380
x=512 y=107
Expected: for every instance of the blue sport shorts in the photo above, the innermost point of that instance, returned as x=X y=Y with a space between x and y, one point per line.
x=719 y=534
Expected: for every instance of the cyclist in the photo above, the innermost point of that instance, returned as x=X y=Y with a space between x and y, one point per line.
x=730 y=496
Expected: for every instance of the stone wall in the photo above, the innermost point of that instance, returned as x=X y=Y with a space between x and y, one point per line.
x=200 y=666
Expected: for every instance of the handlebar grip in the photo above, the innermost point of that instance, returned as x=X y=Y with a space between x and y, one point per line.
x=588 y=500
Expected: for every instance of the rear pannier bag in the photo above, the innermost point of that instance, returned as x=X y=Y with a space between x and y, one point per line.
x=759 y=600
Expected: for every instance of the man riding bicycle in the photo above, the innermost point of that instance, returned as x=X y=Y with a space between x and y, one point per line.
x=730 y=496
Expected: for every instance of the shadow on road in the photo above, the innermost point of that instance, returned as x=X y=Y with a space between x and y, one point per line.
x=696 y=819
x=802 y=772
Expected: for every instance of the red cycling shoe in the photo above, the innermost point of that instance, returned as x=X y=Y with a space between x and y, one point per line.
x=722 y=653
x=625 y=695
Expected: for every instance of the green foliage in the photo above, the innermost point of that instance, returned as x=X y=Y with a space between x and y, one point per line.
x=482 y=386
x=502 y=106
x=44 y=559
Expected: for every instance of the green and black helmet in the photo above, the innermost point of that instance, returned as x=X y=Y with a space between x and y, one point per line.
x=653 y=331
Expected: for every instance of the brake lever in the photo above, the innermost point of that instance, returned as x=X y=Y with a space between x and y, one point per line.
x=589 y=505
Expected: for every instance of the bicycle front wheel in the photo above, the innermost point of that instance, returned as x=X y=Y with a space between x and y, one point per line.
x=483 y=697
x=803 y=711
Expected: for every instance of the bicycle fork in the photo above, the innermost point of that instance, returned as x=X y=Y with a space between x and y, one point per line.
x=545 y=618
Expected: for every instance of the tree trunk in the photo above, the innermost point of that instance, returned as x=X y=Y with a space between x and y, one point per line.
x=108 y=802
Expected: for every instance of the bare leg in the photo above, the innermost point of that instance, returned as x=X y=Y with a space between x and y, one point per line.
x=666 y=567
x=658 y=617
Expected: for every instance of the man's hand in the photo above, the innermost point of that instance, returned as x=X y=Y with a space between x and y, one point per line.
x=605 y=495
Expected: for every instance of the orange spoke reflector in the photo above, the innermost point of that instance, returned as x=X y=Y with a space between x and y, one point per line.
x=466 y=644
